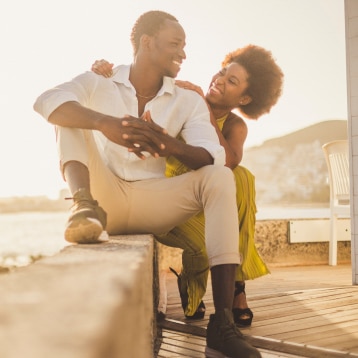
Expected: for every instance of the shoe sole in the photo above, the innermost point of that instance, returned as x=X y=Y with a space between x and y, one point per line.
x=85 y=231
x=212 y=353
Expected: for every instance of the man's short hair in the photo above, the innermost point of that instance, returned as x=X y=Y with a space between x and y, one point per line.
x=148 y=23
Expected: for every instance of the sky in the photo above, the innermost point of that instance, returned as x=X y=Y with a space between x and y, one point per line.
x=44 y=43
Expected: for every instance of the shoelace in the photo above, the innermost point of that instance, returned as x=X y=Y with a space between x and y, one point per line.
x=230 y=331
x=84 y=202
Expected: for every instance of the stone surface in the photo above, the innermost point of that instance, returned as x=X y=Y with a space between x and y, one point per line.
x=87 y=301
x=271 y=237
x=272 y=242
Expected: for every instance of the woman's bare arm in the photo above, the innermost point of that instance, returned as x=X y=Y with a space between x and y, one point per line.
x=234 y=132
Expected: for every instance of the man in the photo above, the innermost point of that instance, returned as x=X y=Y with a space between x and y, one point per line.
x=113 y=136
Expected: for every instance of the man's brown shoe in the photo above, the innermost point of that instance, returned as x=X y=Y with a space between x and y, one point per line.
x=224 y=340
x=87 y=221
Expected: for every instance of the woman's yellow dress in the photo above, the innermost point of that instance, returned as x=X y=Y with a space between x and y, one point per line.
x=190 y=237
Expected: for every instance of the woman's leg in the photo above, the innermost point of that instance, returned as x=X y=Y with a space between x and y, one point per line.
x=190 y=237
x=195 y=265
x=252 y=266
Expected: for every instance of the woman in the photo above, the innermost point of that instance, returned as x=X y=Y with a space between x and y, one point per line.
x=251 y=82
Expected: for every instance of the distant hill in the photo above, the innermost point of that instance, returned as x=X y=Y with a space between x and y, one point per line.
x=291 y=169
x=322 y=132
x=33 y=204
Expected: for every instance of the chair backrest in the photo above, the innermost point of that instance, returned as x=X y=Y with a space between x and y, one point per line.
x=336 y=155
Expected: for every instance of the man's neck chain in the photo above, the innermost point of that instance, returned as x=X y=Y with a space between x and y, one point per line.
x=145 y=97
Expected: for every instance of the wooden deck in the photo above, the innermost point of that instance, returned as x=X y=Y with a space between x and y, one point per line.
x=306 y=311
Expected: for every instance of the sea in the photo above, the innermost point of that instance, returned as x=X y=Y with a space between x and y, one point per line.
x=28 y=236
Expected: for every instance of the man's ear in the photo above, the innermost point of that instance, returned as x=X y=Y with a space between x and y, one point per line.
x=145 y=42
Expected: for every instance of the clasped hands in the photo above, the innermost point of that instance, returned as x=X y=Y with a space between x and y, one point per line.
x=139 y=135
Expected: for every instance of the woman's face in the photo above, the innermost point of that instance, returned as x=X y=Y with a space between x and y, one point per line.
x=228 y=86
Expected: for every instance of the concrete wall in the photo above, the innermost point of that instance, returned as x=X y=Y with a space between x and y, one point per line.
x=351 y=14
x=88 y=301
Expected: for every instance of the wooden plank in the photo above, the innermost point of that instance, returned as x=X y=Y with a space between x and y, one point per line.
x=307 y=333
x=176 y=344
x=180 y=326
x=279 y=328
x=315 y=307
x=262 y=343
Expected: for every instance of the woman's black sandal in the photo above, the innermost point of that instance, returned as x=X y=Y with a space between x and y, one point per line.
x=242 y=316
x=200 y=312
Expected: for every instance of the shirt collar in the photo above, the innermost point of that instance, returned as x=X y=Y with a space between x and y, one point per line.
x=121 y=75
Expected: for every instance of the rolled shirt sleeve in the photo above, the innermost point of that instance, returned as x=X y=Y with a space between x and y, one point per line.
x=77 y=90
x=201 y=133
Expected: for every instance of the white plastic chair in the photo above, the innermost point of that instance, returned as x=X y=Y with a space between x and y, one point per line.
x=336 y=155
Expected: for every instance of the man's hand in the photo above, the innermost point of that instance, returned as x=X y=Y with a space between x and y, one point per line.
x=139 y=135
x=193 y=157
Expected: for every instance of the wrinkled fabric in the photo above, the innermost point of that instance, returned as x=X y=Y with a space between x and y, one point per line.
x=173 y=108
